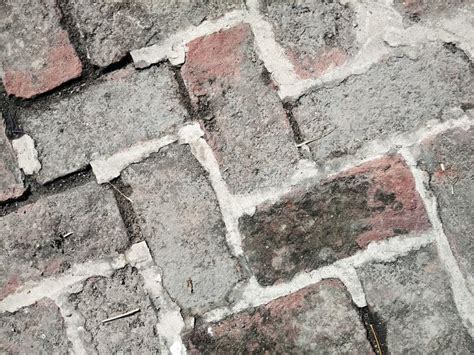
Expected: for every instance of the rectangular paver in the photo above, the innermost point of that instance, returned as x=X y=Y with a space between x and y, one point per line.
x=319 y=319
x=182 y=224
x=312 y=227
x=47 y=237
x=245 y=121
x=118 y=111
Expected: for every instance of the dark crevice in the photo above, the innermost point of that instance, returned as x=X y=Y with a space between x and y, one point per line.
x=298 y=136
x=130 y=218
x=122 y=63
x=183 y=92
x=35 y=191
x=376 y=330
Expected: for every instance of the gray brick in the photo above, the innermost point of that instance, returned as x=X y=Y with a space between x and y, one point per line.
x=11 y=182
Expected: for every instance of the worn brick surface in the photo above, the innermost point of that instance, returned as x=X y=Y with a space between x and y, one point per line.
x=103 y=298
x=243 y=117
x=113 y=28
x=415 y=11
x=316 y=226
x=34 y=244
x=396 y=96
x=319 y=319
x=412 y=297
x=122 y=109
x=11 y=183
x=37 y=55
x=453 y=188
x=182 y=224
x=316 y=35
x=37 y=329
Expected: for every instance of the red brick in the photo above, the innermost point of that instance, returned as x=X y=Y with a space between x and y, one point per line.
x=312 y=227
x=241 y=112
x=316 y=319
x=38 y=53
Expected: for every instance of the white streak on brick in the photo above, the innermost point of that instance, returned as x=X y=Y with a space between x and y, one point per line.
x=27 y=155
x=108 y=168
x=174 y=48
x=463 y=299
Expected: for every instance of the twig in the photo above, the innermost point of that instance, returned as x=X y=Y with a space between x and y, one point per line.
x=190 y=285
x=299 y=145
x=132 y=312
x=67 y=235
x=120 y=192
x=376 y=339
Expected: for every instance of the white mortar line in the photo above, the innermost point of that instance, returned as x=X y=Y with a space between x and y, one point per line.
x=463 y=299
x=53 y=286
x=254 y=295
x=27 y=155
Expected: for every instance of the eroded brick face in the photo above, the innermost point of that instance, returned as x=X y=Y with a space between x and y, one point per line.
x=319 y=225
x=36 y=329
x=240 y=110
x=319 y=318
x=415 y=11
x=37 y=55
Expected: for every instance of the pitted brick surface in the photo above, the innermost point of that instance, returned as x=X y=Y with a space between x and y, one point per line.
x=11 y=183
x=47 y=237
x=317 y=319
x=316 y=226
x=37 y=55
x=242 y=114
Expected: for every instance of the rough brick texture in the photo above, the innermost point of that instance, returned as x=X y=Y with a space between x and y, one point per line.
x=317 y=319
x=37 y=55
x=415 y=11
x=316 y=226
x=36 y=240
x=113 y=28
x=103 y=298
x=396 y=96
x=316 y=35
x=242 y=115
x=182 y=224
x=454 y=151
x=120 y=110
x=412 y=297
x=37 y=329
x=11 y=183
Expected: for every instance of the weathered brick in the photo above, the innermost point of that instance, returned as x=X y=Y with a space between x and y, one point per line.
x=243 y=117
x=312 y=227
x=412 y=298
x=36 y=53
x=319 y=319
x=36 y=241
x=37 y=329
x=113 y=28
x=316 y=35
x=454 y=191
x=125 y=107
x=418 y=10
x=395 y=96
x=106 y=297
x=11 y=182
x=182 y=225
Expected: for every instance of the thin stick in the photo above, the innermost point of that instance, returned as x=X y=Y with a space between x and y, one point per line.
x=67 y=235
x=299 y=145
x=120 y=192
x=376 y=339
x=132 y=312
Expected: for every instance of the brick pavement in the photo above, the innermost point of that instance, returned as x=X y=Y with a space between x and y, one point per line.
x=236 y=177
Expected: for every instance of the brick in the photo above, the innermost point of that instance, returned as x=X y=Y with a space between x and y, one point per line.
x=316 y=35
x=113 y=28
x=395 y=96
x=11 y=182
x=242 y=115
x=453 y=189
x=412 y=298
x=37 y=55
x=36 y=329
x=103 y=298
x=183 y=227
x=315 y=226
x=415 y=11
x=318 y=319
x=122 y=109
x=35 y=244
